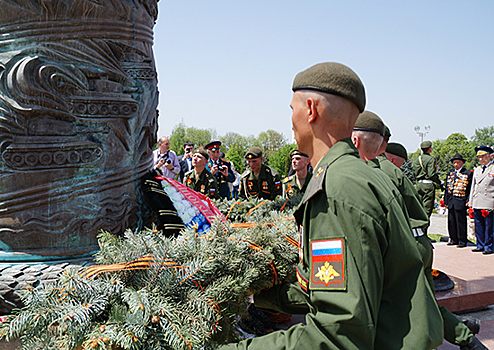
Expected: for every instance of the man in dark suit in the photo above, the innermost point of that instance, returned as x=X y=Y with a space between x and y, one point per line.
x=458 y=184
x=185 y=160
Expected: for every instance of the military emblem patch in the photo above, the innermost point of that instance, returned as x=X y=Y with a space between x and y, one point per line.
x=319 y=172
x=328 y=265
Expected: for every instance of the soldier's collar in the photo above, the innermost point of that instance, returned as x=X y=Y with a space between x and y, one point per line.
x=338 y=150
x=374 y=163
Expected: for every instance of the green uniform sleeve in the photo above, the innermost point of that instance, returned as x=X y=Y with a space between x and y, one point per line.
x=432 y=171
x=416 y=212
x=285 y=298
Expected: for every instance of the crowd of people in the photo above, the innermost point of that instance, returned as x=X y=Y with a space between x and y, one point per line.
x=364 y=279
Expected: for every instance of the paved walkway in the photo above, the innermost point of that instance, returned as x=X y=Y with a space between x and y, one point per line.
x=473 y=274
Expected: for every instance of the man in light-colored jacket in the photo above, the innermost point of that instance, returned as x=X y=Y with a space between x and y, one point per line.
x=482 y=199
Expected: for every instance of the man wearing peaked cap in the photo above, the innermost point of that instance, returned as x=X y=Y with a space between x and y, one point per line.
x=456 y=195
x=425 y=171
x=220 y=168
x=259 y=181
x=297 y=183
x=482 y=199
x=349 y=215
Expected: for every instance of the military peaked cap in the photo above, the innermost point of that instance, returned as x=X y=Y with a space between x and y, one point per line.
x=333 y=78
x=425 y=144
x=253 y=153
x=458 y=156
x=480 y=150
x=213 y=145
x=296 y=152
x=368 y=121
x=397 y=149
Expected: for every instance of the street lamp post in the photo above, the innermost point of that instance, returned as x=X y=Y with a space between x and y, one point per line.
x=422 y=133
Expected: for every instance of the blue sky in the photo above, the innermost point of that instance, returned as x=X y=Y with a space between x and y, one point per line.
x=229 y=65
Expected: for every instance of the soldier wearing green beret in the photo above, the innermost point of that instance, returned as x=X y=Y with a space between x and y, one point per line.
x=425 y=171
x=259 y=181
x=360 y=280
x=297 y=183
x=199 y=178
x=391 y=158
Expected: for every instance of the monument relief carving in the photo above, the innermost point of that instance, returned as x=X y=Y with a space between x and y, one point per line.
x=78 y=97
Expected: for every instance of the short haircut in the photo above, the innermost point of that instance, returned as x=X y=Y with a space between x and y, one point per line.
x=371 y=141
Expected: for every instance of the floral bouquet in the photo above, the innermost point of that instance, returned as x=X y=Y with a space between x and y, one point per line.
x=195 y=209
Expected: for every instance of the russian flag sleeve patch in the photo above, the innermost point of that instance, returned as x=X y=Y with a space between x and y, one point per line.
x=328 y=270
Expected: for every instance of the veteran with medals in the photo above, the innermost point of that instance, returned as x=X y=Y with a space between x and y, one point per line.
x=199 y=178
x=458 y=184
x=297 y=183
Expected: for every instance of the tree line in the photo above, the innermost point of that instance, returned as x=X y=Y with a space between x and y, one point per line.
x=276 y=148
x=444 y=150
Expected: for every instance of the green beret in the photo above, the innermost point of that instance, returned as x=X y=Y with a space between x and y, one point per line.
x=397 y=149
x=333 y=78
x=296 y=152
x=425 y=144
x=368 y=121
x=387 y=132
x=202 y=152
x=253 y=153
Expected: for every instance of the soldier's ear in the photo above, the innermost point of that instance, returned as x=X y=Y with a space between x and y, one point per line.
x=311 y=110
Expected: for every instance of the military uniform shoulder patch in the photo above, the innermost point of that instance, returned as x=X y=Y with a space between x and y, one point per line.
x=287 y=179
x=316 y=183
x=328 y=270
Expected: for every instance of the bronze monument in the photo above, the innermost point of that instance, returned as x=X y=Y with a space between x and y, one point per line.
x=78 y=121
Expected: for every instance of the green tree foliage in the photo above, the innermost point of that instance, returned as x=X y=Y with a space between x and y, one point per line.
x=484 y=136
x=182 y=133
x=236 y=158
x=234 y=145
x=270 y=141
x=280 y=161
x=444 y=150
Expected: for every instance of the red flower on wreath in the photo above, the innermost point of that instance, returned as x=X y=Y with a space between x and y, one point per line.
x=485 y=213
x=470 y=213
